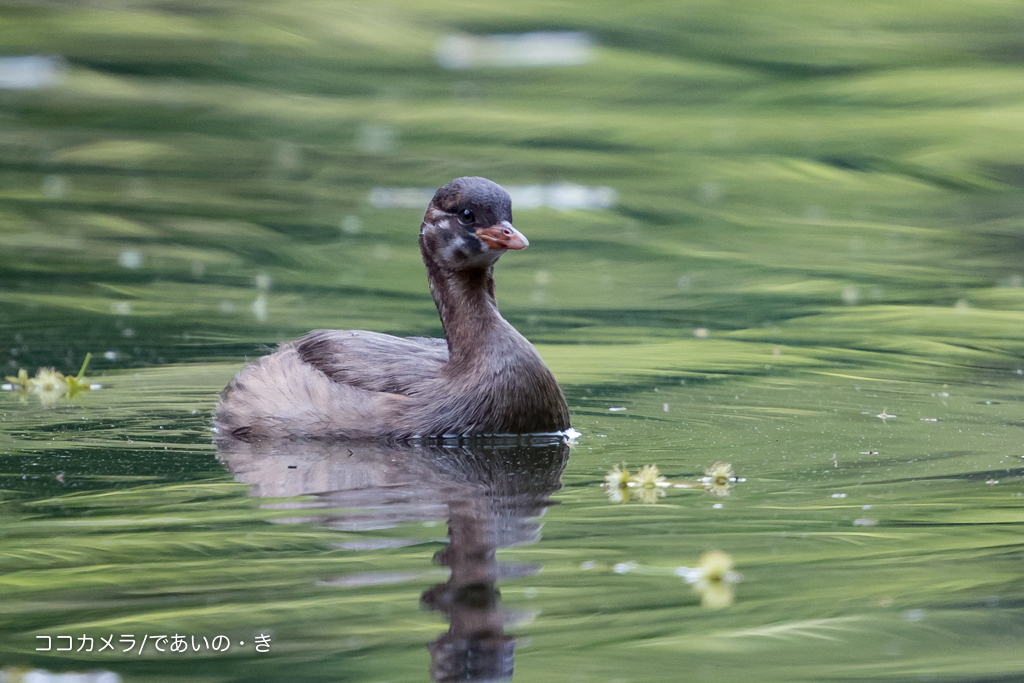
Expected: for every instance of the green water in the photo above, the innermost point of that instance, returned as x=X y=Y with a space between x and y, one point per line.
x=813 y=272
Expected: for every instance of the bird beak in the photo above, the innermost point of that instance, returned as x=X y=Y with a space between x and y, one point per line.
x=503 y=236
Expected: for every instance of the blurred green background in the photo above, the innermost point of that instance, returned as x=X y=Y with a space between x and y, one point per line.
x=771 y=163
x=818 y=220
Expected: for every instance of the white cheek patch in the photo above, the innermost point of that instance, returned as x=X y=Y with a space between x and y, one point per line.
x=448 y=253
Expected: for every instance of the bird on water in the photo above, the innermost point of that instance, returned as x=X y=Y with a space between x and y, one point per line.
x=483 y=378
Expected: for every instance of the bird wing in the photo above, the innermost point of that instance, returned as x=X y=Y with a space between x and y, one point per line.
x=373 y=361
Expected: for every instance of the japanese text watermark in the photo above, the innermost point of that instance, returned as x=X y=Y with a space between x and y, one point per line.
x=130 y=643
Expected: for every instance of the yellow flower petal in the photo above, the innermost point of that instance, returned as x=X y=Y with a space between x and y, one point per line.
x=648 y=476
x=617 y=478
x=719 y=479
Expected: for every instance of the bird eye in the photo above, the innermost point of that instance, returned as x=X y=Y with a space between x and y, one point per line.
x=467 y=216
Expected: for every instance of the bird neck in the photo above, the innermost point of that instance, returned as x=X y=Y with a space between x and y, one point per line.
x=469 y=312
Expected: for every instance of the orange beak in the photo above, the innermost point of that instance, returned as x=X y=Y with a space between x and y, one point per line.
x=503 y=236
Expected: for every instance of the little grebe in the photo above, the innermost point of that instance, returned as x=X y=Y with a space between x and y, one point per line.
x=483 y=378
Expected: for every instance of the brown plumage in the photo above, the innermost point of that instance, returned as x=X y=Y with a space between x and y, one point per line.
x=484 y=378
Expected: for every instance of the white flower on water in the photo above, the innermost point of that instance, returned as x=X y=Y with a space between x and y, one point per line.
x=719 y=479
x=713 y=578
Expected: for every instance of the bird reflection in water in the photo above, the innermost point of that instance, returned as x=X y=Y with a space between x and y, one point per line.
x=491 y=492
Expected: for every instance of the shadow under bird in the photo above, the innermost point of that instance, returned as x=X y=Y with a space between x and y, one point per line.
x=483 y=378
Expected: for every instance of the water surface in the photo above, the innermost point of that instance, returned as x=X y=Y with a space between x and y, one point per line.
x=812 y=272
